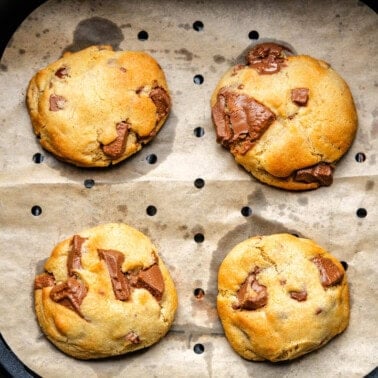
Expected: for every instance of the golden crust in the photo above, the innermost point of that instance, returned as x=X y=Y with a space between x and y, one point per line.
x=284 y=328
x=106 y=321
x=101 y=88
x=301 y=136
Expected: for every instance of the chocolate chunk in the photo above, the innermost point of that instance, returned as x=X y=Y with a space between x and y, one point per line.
x=267 y=58
x=44 y=280
x=161 y=99
x=299 y=296
x=56 y=102
x=62 y=72
x=74 y=255
x=321 y=173
x=116 y=148
x=150 y=279
x=300 y=96
x=114 y=260
x=133 y=337
x=239 y=120
x=330 y=274
x=251 y=294
x=69 y=294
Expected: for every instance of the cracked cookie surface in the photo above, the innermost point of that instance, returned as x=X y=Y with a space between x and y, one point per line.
x=280 y=297
x=305 y=118
x=104 y=292
x=96 y=107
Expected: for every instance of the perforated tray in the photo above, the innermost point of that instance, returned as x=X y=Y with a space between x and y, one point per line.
x=184 y=190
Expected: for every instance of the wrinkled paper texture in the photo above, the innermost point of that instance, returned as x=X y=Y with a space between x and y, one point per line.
x=343 y=33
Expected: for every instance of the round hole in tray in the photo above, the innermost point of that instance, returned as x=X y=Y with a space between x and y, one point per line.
x=151 y=210
x=345 y=265
x=38 y=158
x=151 y=159
x=198 y=348
x=199 y=238
x=143 y=35
x=199 y=132
x=36 y=210
x=199 y=183
x=198 y=26
x=198 y=79
x=246 y=211
x=199 y=293
x=361 y=213
x=89 y=183
x=360 y=157
x=253 y=34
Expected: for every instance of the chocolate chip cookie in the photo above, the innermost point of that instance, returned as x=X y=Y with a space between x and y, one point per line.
x=105 y=292
x=286 y=119
x=97 y=107
x=280 y=297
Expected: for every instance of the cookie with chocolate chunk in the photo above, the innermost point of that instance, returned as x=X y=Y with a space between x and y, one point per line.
x=96 y=107
x=105 y=292
x=280 y=297
x=286 y=119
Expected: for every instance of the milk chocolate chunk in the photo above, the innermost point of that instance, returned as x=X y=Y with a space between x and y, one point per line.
x=152 y=280
x=116 y=148
x=300 y=96
x=321 y=173
x=330 y=274
x=251 y=294
x=239 y=120
x=70 y=294
x=267 y=58
x=74 y=255
x=44 y=280
x=56 y=102
x=161 y=99
x=133 y=337
x=299 y=296
x=62 y=72
x=113 y=260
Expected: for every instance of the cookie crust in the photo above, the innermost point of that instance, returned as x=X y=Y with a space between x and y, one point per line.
x=315 y=119
x=96 y=107
x=302 y=310
x=81 y=310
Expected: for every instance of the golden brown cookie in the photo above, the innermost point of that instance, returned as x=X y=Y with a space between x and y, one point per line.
x=97 y=107
x=105 y=292
x=286 y=119
x=280 y=297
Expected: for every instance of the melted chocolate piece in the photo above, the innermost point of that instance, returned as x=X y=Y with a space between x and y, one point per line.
x=161 y=99
x=56 y=102
x=133 y=337
x=44 y=280
x=150 y=279
x=267 y=58
x=113 y=260
x=251 y=295
x=239 y=120
x=62 y=72
x=70 y=294
x=74 y=255
x=300 y=96
x=321 y=173
x=330 y=274
x=116 y=148
x=299 y=296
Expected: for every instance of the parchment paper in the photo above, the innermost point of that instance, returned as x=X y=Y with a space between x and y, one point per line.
x=344 y=33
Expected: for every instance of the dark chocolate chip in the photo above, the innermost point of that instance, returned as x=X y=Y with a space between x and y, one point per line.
x=330 y=274
x=69 y=294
